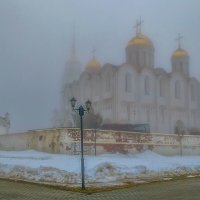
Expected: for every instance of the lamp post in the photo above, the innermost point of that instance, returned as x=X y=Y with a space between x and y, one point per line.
x=81 y=110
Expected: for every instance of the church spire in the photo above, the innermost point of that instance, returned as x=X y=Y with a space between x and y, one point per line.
x=73 y=56
x=93 y=53
x=73 y=66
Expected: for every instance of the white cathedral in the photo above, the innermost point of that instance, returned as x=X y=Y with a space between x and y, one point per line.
x=136 y=92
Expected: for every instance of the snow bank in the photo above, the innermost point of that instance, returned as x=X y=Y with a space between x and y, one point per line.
x=39 y=166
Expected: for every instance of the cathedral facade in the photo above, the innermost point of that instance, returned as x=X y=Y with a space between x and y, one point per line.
x=136 y=92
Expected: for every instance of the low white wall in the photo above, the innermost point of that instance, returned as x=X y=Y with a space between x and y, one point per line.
x=65 y=140
x=3 y=130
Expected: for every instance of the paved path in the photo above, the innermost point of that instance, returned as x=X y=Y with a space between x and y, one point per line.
x=182 y=189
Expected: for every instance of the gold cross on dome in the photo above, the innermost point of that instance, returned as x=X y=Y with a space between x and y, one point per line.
x=179 y=40
x=138 y=26
x=93 y=53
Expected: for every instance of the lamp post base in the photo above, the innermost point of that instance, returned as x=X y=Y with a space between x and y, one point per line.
x=82 y=173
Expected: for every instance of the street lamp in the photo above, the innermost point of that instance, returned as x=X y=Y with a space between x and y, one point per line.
x=81 y=110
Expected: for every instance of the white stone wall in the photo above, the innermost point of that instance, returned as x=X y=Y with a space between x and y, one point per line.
x=67 y=141
x=3 y=130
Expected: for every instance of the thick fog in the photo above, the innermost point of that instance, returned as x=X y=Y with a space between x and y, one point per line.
x=35 y=42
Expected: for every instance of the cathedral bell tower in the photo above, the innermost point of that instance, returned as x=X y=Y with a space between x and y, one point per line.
x=73 y=67
x=180 y=59
x=140 y=49
x=71 y=73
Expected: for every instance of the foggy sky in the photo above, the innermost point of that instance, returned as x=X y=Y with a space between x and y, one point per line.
x=35 y=39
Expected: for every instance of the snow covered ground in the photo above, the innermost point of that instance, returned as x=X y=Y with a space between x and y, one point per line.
x=64 y=169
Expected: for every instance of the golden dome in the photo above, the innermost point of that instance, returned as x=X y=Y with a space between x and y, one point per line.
x=179 y=53
x=93 y=66
x=140 y=39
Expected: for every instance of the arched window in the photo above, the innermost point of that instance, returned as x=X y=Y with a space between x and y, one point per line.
x=161 y=87
x=108 y=83
x=177 y=90
x=147 y=85
x=148 y=114
x=162 y=114
x=128 y=112
x=192 y=92
x=181 y=65
x=175 y=66
x=194 y=118
x=145 y=62
x=128 y=82
x=137 y=58
x=96 y=86
x=86 y=89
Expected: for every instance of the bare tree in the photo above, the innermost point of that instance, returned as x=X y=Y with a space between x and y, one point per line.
x=90 y=120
